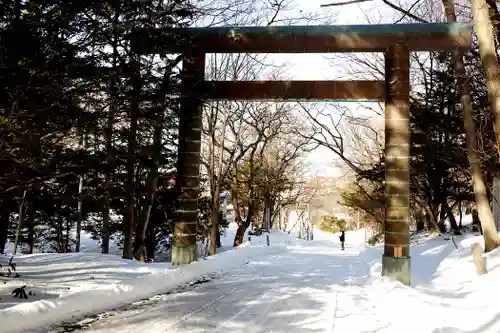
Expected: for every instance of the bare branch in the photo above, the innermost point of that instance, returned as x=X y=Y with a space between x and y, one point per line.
x=388 y=3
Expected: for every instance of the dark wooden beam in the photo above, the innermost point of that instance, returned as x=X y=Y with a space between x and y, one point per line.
x=295 y=90
x=305 y=39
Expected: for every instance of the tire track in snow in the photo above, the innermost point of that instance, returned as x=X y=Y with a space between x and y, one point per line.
x=332 y=326
x=253 y=302
x=175 y=327
x=358 y=272
x=86 y=324
x=354 y=302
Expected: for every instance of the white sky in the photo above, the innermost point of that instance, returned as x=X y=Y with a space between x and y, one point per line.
x=321 y=67
x=317 y=66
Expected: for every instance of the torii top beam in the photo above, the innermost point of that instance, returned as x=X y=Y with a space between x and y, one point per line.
x=304 y=39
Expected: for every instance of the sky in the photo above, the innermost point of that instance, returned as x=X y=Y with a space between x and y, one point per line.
x=322 y=161
x=321 y=67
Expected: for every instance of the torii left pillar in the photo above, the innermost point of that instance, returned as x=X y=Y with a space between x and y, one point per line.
x=396 y=261
x=184 y=246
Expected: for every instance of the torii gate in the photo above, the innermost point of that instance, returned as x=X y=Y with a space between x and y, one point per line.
x=394 y=40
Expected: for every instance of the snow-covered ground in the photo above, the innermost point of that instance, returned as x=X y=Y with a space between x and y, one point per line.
x=291 y=286
x=73 y=285
x=316 y=287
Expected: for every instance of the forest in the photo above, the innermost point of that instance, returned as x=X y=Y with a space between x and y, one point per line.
x=89 y=143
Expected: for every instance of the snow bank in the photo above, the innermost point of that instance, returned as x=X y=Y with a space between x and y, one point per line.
x=70 y=307
x=446 y=294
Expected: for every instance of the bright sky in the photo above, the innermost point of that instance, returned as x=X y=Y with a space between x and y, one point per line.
x=318 y=67
x=326 y=67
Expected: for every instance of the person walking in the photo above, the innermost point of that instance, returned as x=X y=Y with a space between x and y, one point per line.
x=342 y=239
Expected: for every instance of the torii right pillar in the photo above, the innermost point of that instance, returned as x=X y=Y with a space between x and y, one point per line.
x=396 y=261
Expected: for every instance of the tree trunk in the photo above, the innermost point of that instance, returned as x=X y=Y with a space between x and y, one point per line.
x=442 y=218
x=150 y=246
x=235 y=202
x=19 y=223
x=129 y=218
x=4 y=225
x=217 y=241
x=451 y=217
x=461 y=215
x=491 y=239
x=285 y=220
x=113 y=108
x=495 y=19
x=430 y=218
x=214 y=229
x=267 y=221
x=80 y=199
x=487 y=49
x=5 y=212
x=240 y=232
x=31 y=233
x=243 y=226
x=152 y=182
x=105 y=232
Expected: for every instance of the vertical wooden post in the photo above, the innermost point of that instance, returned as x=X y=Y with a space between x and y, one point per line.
x=184 y=248
x=396 y=260
x=477 y=257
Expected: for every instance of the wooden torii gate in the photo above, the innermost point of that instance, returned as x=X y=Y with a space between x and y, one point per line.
x=394 y=40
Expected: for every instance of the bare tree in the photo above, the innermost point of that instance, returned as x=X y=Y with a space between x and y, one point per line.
x=491 y=237
x=270 y=165
x=224 y=122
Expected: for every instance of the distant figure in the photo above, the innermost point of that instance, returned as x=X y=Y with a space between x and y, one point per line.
x=342 y=239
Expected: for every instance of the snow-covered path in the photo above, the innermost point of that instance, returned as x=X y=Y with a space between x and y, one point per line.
x=311 y=288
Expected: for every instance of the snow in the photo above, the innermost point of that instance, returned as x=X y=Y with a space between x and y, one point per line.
x=75 y=285
x=291 y=286
x=87 y=244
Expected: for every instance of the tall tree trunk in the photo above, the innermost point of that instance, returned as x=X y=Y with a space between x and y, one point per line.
x=216 y=179
x=4 y=225
x=430 y=217
x=451 y=217
x=81 y=181
x=20 y=222
x=214 y=229
x=113 y=109
x=217 y=241
x=129 y=219
x=495 y=19
x=461 y=214
x=252 y=204
x=243 y=226
x=152 y=181
x=240 y=231
x=491 y=239
x=442 y=217
x=487 y=48
x=214 y=182
x=105 y=232
x=31 y=232
x=235 y=201
x=150 y=246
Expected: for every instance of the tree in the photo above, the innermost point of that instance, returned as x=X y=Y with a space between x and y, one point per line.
x=491 y=239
